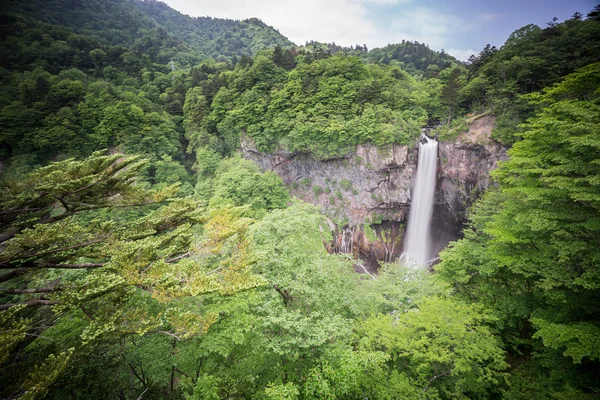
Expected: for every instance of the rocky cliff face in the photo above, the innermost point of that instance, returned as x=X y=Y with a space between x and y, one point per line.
x=370 y=183
x=372 y=186
x=464 y=167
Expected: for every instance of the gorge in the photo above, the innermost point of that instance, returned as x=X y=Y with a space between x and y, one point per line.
x=367 y=194
x=194 y=207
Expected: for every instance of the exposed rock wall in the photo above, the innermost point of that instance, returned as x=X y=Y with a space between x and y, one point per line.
x=464 y=167
x=373 y=185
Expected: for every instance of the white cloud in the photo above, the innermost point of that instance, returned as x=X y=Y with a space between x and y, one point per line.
x=345 y=22
x=342 y=21
x=462 y=54
x=386 y=2
x=426 y=26
x=487 y=17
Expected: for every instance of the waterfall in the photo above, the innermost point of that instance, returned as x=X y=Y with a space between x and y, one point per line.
x=416 y=246
x=346 y=242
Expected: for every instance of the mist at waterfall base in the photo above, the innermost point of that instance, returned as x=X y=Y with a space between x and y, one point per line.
x=417 y=250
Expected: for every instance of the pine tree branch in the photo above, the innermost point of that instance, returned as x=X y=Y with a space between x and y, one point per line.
x=287 y=297
x=19 y=271
x=99 y=240
x=64 y=203
x=86 y=312
x=12 y=274
x=19 y=210
x=136 y=374
x=30 y=303
x=10 y=233
x=32 y=290
x=179 y=257
x=440 y=375
x=71 y=266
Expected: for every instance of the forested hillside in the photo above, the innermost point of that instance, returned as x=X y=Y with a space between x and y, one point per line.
x=531 y=59
x=413 y=57
x=137 y=23
x=530 y=255
x=142 y=257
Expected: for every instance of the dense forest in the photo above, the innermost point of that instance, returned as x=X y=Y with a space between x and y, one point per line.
x=142 y=256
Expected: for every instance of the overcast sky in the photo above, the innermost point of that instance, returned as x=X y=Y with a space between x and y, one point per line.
x=461 y=27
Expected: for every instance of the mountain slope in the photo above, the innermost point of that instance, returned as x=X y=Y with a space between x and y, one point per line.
x=214 y=37
x=127 y=22
x=413 y=57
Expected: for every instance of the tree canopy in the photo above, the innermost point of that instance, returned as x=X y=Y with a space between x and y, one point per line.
x=142 y=257
x=531 y=255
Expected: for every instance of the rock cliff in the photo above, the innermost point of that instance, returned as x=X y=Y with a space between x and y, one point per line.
x=464 y=167
x=372 y=187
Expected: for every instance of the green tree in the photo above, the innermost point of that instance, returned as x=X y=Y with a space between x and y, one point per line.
x=239 y=182
x=533 y=260
x=123 y=275
x=450 y=93
x=440 y=346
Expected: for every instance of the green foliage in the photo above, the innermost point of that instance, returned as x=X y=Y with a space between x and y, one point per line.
x=441 y=346
x=239 y=182
x=530 y=255
x=72 y=113
x=286 y=391
x=397 y=289
x=317 y=190
x=117 y=284
x=449 y=132
x=450 y=91
x=207 y=162
x=163 y=309
x=324 y=107
x=531 y=59
x=76 y=84
x=13 y=331
x=346 y=185
x=369 y=233
x=129 y=86
x=124 y=275
x=414 y=57
x=155 y=29
x=44 y=375
x=305 y=182
x=205 y=388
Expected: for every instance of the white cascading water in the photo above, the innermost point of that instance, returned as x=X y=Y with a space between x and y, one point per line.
x=416 y=245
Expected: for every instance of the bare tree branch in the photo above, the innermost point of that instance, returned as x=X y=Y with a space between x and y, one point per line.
x=87 y=314
x=179 y=257
x=140 y=396
x=12 y=274
x=168 y=333
x=287 y=297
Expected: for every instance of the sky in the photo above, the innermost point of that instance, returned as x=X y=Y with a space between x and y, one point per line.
x=460 y=27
